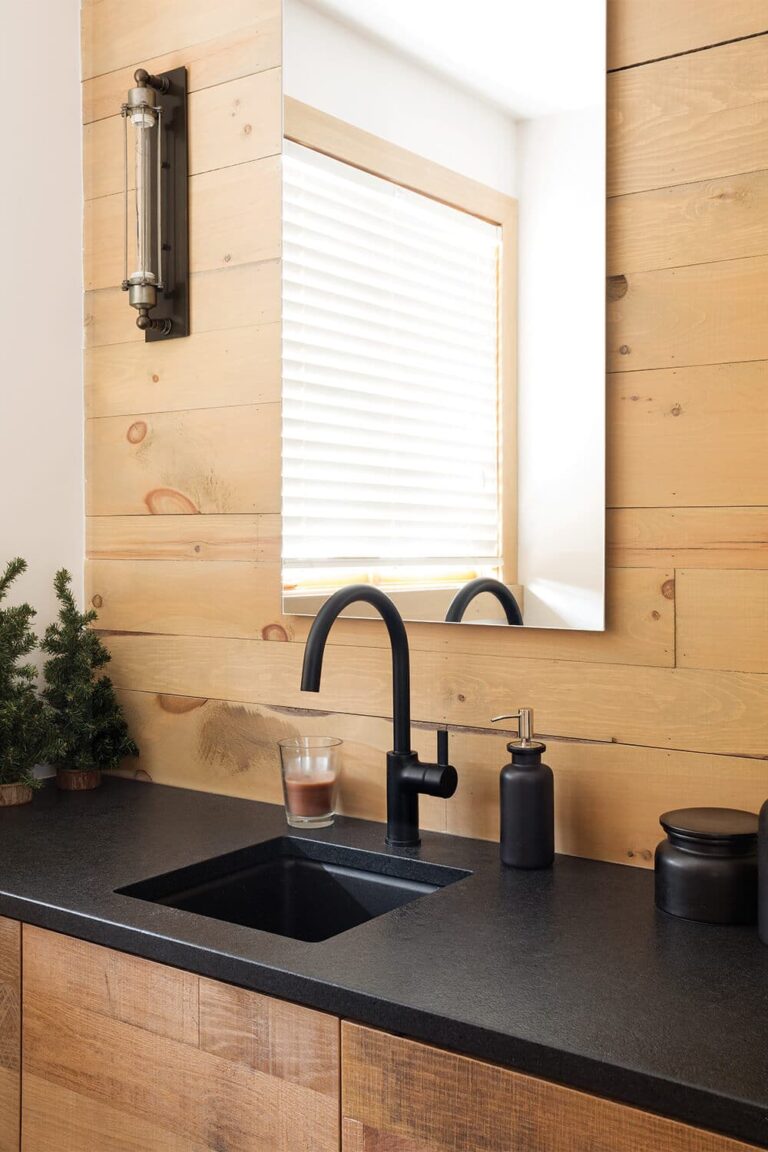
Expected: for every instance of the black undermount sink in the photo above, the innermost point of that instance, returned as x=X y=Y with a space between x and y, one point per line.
x=294 y=887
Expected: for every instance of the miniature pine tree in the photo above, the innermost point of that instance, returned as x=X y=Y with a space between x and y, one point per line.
x=26 y=731
x=87 y=715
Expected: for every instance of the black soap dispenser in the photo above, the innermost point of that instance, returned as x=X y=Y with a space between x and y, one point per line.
x=527 y=786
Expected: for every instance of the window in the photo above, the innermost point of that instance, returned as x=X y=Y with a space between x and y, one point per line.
x=390 y=332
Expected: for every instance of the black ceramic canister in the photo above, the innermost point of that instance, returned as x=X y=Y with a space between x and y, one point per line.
x=706 y=869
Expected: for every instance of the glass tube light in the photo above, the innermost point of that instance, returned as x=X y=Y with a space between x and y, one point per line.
x=144 y=252
x=144 y=121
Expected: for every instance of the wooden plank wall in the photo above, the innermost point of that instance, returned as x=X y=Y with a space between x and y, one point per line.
x=669 y=706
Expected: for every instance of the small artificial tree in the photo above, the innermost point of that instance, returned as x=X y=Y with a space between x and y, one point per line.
x=27 y=735
x=87 y=715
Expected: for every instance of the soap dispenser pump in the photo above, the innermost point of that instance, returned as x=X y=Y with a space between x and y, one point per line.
x=527 y=794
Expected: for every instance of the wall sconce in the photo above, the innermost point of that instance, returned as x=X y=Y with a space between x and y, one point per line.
x=156 y=260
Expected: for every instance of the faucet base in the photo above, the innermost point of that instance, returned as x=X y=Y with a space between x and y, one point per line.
x=407 y=778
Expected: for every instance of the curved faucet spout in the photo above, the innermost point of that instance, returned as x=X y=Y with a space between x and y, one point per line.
x=401 y=663
x=467 y=594
x=407 y=776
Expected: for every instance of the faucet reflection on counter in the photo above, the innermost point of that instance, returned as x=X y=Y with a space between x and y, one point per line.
x=407 y=776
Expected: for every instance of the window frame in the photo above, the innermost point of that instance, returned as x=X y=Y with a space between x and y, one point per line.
x=330 y=136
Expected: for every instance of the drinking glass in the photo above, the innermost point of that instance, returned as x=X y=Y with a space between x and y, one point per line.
x=310 y=766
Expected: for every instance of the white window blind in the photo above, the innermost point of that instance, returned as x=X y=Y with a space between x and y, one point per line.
x=390 y=382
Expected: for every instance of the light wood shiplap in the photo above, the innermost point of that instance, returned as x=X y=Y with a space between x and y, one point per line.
x=234 y=218
x=243 y=362
x=642 y=30
x=10 y=1034
x=667 y=707
x=723 y=620
x=679 y=436
x=174 y=599
x=230 y=124
x=619 y=703
x=246 y=50
x=698 y=223
x=116 y=37
x=724 y=538
x=223 y=537
x=125 y=1055
x=248 y=294
x=218 y=460
x=698 y=116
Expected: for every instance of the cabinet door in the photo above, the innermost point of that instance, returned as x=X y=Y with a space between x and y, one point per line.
x=400 y=1096
x=124 y=1055
x=10 y=1039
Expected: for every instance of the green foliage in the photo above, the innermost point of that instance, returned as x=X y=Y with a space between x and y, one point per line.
x=27 y=735
x=87 y=715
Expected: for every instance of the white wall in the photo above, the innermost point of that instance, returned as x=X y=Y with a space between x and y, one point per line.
x=346 y=74
x=41 y=406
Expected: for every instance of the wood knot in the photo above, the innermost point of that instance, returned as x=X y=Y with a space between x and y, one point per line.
x=616 y=287
x=274 y=632
x=96 y=601
x=136 y=432
x=668 y=589
x=155 y=378
x=178 y=705
x=624 y=350
x=169 y=502
x=461 y=698
x=227 y=257
x=677 y=410
x=656 y=615
x=247 y=129
x=640 y=854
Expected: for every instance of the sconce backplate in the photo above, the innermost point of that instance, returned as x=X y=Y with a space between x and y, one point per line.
x=173 y=300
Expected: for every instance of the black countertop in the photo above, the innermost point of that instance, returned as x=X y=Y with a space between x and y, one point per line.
x=568 y=974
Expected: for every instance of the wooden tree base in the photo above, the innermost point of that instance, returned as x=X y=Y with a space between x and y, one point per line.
x=78 y=779
x=13 y=794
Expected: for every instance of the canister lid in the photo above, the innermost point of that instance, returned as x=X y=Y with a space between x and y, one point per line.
x=713 y=824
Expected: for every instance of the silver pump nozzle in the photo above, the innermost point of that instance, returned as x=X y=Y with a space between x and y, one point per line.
x=525 y=723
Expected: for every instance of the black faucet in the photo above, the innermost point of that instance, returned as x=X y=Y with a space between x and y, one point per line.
x=467 y=594
x=455 y=614
x=407 y=777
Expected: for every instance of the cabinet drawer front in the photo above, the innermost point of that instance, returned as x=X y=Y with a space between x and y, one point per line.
x=10 y=1040
x=125 y=1055
x=401 y=1096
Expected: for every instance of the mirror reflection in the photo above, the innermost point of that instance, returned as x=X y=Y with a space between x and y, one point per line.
x=443 y=308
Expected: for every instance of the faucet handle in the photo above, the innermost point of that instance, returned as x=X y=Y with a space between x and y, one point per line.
x=525 y=723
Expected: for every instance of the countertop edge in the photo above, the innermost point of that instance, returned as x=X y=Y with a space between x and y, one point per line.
x=684 y=1103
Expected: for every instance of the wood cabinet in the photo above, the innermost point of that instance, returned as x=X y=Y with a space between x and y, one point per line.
x=400 y=1096
x=10 y=1039
x=124 y=1055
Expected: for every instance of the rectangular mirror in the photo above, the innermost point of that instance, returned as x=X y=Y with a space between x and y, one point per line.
x=443 y=308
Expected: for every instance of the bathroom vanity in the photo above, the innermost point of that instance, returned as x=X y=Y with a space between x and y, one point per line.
x=554 y=1011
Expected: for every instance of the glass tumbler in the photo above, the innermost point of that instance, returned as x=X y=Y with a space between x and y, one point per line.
x=311 y=766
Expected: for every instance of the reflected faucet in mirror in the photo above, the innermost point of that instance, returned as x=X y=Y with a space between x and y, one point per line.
x=407 y=776
x=467 y=594
x=455 y=614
